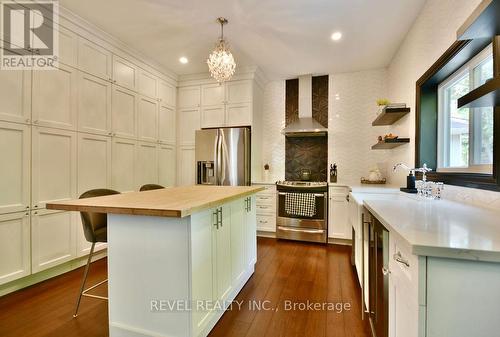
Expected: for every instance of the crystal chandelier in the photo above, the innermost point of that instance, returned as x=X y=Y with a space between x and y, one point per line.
x=221 y=62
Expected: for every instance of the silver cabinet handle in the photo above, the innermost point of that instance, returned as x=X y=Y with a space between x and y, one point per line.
x=216 y=214
x=399 y=258
x=220 y=216
x=347 y=198
x=310 y=231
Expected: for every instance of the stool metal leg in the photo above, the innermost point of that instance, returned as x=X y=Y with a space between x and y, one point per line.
x=84 y=279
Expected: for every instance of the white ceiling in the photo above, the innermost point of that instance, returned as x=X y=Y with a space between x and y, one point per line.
x=285 y=38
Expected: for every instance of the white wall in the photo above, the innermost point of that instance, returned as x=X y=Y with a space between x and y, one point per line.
x=352 y=108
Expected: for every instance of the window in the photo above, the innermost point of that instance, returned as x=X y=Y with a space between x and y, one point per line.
x=465 y=136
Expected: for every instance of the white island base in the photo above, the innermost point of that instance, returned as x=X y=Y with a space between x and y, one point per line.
x=162 y=268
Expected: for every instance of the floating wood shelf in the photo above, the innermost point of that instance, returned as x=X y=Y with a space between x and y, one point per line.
x=487 y=95
x=390 y=115
x=484 y=22
x=390 y=143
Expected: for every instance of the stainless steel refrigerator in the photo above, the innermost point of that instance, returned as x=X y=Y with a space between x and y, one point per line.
x=223 y=156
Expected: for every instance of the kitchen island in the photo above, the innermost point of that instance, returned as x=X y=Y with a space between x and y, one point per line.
x=177 y=257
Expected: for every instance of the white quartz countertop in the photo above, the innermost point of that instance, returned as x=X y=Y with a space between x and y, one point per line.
x=441 y=228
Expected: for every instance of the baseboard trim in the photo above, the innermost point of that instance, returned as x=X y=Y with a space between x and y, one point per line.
x=266 y=234
x=44 y=275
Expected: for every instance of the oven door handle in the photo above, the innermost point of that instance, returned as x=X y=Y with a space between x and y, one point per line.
x=310 y=231
x=319 y=195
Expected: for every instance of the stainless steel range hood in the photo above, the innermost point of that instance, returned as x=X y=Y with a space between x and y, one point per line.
x=306 y=125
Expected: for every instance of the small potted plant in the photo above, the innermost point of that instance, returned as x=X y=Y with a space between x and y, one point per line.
x=382 y=104
x=266 y=172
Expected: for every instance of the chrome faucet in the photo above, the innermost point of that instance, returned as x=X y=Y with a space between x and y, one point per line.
x=424 y=169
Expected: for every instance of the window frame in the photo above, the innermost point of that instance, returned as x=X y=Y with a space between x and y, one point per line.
x=426 y=107
x=467 y=69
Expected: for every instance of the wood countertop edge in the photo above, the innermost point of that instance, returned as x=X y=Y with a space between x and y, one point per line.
x=176 y=213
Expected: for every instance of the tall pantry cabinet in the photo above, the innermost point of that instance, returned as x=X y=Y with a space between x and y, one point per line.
x=104 y=118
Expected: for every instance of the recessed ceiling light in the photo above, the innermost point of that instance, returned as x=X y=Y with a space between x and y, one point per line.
x=183 y=60
x=336 y=36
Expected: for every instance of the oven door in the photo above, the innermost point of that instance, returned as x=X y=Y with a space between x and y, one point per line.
x=293 y=227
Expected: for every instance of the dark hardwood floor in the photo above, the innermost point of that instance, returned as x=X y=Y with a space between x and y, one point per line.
x=286 y=273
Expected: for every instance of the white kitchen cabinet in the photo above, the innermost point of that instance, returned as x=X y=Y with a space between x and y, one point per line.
x=94 y=59
x=189 y=97
x=238 y=92
x=123 y=163
x=212 y=94
x=15 y=246
x=15 y=147
x=186 y=169
x=147 y=84
x=167 y=93
x=94 y=162
x=166 y=165
x=124 y=112
x=54 y=171
x=146 y=164
x=125 y=73
x=189 y=122
x=54 y=97
x=15 y=96
x=53 y=238
x=213 y=116
x=222 y=245
x=147 y=119
x=238 y=114
x=166 y=124
x=68 y=47
x=338 y=214
x=202 y=267
x=238 y=231
x=94 y=104
x=265 y=207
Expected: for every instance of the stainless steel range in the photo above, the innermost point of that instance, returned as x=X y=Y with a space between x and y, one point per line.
x=295 y=223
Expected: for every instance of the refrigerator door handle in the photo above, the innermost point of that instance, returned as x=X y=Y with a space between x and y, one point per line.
x=217 y=159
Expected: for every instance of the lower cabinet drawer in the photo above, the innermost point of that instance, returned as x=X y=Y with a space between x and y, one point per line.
x=265 y=199
x=265 y=209
x=266 y=223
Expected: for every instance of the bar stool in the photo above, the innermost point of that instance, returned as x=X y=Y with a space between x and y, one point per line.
x=150 y=187
x=95 y=230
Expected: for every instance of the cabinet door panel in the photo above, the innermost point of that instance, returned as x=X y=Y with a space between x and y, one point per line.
x=147 y=119
x=124 y=112
x=189 y=122
x=251 y=234
x=186 y=168
x=94 y=105
x=94 y=59
x=239 y=114
x=15 y=96
x=238 y=92
x=202 y=227
x=212 y=94
x=166 y=124
x=238 y=239
x=189 y=97
x=68 y=46
x=223 y=255
x=124 y=73
x=54 y=166
x=148 y=84
x=166 y=93
x=54 y=97
x=123 y=164
x=338 y=220
x=166 y=165
x=53 y=238
x=147 y=164
x=15 y=147
x=94 y=162
x=212 y=116
x=14 y=246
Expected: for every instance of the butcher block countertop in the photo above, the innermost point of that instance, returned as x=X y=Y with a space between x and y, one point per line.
x=169 y=202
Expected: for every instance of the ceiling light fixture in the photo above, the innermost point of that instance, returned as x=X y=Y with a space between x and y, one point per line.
x=221 y=62
x=336 y=36
x=183 y=60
